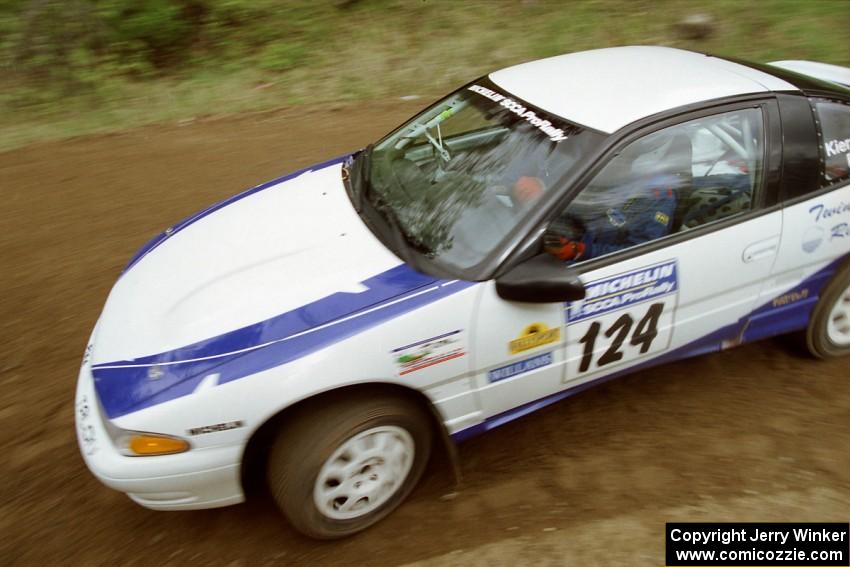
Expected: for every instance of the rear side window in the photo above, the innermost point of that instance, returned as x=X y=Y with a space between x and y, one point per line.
x=834 y=121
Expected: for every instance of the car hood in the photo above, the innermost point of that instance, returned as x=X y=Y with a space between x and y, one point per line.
x=258 y=270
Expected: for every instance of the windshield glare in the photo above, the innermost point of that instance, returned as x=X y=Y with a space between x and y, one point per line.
x=461 y=176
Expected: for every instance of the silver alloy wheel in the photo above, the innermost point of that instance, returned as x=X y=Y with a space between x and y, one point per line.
x=364 y=472
x=838 y=327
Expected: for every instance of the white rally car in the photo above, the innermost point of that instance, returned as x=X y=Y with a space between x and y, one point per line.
x=544 y=228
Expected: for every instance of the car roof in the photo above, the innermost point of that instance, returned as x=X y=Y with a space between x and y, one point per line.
x=606 y=89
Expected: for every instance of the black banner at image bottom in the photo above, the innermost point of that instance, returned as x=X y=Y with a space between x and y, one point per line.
x=759 y=544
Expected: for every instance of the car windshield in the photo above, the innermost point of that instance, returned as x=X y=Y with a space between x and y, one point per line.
x=460 y=178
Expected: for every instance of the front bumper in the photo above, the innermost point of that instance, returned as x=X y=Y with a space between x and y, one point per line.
x=199 y=478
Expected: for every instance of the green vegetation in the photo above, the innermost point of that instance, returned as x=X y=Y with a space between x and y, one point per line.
x=72 y=67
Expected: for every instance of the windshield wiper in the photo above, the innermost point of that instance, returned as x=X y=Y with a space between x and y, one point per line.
x=438 y=145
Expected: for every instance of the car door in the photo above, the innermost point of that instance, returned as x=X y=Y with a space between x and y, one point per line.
x=519 y=350
x=816 y=213
x=677 y=244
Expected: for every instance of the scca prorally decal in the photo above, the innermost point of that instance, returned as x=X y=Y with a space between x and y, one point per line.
x=429 y=352
x=533 y=336
x=520 y=367
x=555 y=134
x=620 y=291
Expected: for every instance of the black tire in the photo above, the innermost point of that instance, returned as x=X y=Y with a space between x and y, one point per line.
x=312 y=436
x=818 y=341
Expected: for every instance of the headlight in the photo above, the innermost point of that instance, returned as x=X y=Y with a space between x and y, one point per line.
x=138 y=444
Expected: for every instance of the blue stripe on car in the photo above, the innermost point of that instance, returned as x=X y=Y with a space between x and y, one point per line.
x=126 y=386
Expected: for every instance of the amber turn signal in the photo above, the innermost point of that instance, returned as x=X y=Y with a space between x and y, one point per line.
x=147 y=444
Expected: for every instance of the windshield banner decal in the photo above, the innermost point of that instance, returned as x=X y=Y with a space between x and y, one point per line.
x=554 y=133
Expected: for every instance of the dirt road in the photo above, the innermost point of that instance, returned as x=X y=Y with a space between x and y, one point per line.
x=757 y=433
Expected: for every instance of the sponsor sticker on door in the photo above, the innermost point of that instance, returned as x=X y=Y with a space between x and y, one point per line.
x=533 y=336
x=520 y=367
x=622 y=318
x=429 y=352
x=623 y=290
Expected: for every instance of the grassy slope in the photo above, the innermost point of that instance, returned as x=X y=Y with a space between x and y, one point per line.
x=386 y=48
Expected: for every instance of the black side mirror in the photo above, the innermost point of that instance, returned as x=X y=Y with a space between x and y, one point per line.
x=541 y=279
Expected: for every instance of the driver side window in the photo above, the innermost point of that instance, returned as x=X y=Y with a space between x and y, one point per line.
x=669 y=181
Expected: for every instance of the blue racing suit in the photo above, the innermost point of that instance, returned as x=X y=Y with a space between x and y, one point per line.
x=641 y=211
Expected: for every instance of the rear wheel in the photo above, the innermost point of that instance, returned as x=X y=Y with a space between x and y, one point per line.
x=338 y=468
x=828 y=334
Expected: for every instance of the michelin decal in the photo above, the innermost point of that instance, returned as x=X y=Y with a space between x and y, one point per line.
x=622 y=318
x=624 y=290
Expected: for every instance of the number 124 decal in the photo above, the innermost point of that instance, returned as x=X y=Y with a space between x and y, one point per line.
x=619 y=337
x=645 y=332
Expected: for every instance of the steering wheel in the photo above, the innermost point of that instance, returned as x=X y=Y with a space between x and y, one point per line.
x=563 y=238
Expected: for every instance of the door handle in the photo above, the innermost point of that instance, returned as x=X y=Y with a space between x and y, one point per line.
x=760 y=250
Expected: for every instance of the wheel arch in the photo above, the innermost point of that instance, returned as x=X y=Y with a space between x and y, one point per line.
x=255 y=453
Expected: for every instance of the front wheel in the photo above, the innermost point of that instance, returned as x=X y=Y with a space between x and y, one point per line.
x=340 y=467
x=828 y=334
